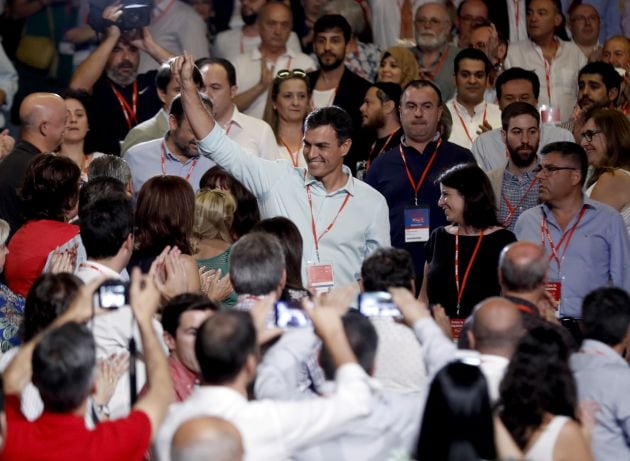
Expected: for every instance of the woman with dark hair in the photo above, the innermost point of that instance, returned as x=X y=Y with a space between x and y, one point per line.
x=539 y=400
x=77 y=127
x=457 y=424
x=288 y=104
x=461 y=258
x=165 y=213
x=291 y=241
x=606 y=140
x=50 y=196
x=247 y=213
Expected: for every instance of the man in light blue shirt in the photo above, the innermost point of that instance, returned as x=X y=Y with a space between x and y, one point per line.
x=176 y=154
x=585 y=240
x=601 y=373
x=341 y=219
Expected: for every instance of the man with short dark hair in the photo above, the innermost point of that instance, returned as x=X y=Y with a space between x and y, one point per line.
x=471 y=113
x=341 y=220
x=515 y=185
x=61 y=363
x=469 y=13
x=110 y=166
x=380 y=113
x=601 y=373
x=512 y=85
x=599 y=85
x=406 y=174
x=157 y=125
x=586 y=241
x=175 y=153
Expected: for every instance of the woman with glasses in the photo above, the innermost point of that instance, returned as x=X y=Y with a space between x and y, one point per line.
x=606 y=140
x=461 y=258
x=288 y=104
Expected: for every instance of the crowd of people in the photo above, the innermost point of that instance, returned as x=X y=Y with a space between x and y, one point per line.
x=315 y=230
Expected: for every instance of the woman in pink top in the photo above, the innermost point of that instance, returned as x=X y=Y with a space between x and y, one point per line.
x=50 y=194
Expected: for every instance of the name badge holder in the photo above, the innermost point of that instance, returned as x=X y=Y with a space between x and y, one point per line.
x=417 y=224
x=320 y=276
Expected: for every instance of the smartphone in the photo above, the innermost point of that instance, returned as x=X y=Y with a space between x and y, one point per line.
x=291 y=315
x=377 y=304
x=112 y=294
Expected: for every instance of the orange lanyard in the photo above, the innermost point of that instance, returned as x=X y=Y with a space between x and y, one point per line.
x=544 y=232
x=294 y=158
x=192 y=167
x=88 y=265
x=461 y=120
x=330 y=226
x=414 y=186
x=436 y=67
x=511 y=209
x=369 y=162
x=128 y=111
x=460 y=289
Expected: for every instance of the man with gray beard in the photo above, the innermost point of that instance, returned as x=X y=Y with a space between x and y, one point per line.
x=121 y=98
x=434 y=53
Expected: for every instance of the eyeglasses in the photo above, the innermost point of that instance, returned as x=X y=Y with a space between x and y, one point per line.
x=588 y=135
x=290 y=73
x=551 y=169
x=432 y=22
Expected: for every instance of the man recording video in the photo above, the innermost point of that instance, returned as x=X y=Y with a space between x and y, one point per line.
x=121 y=98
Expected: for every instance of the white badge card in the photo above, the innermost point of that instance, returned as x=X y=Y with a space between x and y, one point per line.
x=416 y=221
x=320 y=277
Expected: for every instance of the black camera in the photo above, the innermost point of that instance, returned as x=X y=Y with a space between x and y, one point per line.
x=135 y=14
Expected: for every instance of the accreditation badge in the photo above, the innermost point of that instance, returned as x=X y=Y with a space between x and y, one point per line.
x=320 y=276
x=416 y=221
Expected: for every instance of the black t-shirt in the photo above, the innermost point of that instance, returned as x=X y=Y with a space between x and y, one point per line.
x=108 y=125
x=483 y=280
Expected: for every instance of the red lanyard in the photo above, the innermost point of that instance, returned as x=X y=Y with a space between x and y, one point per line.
x=511 y=209
x=369 y=162
x=330 y=226
x=414 y=186
x=460 y=289
x=92 y=266
x=524 y=308
x=128 y=111
x=544 y=232
x=192 y=167
x=461 y=120
x=294 y=158
x=517 y=5
x=548 y=78
x=436 y=67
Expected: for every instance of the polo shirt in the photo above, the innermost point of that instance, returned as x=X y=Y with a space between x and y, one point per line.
x=63 y=436
x=387 y=175
x=108 y=126
x=443 y=78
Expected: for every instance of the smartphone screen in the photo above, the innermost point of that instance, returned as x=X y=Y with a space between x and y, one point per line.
x=377 y=304
x=291 y=315
x=113 y=294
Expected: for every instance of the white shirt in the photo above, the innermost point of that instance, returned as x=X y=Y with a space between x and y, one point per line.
x=255 y=136
x=386 y=30
x=89 y=270
x=231 y=43
x=275 y=430
x=283 y=153
x=518 y=30
x=490 y=150
x=248 y=73
x=465 y=126
x=281 y=190
x=562 y=73
x=8 y=83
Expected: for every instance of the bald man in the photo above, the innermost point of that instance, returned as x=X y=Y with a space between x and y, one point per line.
x=43 y=120
x=205 y=438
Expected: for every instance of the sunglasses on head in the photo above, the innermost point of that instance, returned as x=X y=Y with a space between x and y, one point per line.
x=289 y=73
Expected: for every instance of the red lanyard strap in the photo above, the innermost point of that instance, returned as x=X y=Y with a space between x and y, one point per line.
x=544 y=230
x=294 y=158
x=461 y=120
x=511 y=209
x=330 y=226
x=163 y=161
x=369 y=161
x=414 y=186
x=128 y=111
x=460 y=289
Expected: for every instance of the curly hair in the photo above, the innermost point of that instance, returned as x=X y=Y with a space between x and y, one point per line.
x=538 y=381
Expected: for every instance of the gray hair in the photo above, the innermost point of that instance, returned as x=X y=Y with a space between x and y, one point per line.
x=350 y=10
x=522 y=277
x=256 y=264
x=110 y=166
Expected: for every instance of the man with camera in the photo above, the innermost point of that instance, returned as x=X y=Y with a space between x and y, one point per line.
x=121 y=97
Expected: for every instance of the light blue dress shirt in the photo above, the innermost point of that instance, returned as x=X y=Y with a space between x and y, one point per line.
x=281 y=190
x=144 y=161
x=597 y=255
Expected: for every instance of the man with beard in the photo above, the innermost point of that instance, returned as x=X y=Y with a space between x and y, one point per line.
x=334 y=84
x=121 y=97
x=242 y=40
x=176 y=154
x=598 y=85
x=379 y=113
x=515 y=184
x=435 y=55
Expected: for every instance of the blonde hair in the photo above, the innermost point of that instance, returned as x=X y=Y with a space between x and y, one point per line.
x=214 y=212
x=4 y=231
x=407 y=62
